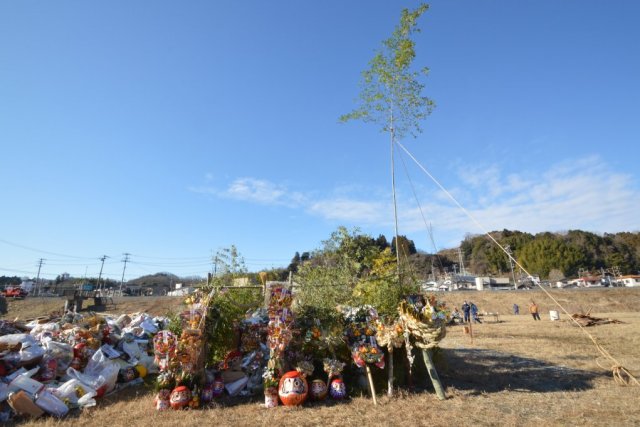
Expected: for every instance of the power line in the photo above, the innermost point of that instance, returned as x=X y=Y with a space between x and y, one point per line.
x=177 y=264
x=181 y=265
x=40 y=250
x=16 y=271
x=175 y=258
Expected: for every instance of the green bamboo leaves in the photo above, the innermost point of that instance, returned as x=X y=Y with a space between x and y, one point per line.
x=391 y=93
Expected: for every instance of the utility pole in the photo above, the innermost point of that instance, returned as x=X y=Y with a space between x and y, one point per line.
x=462 y=270
x=125 y=260
x=508 y=249
x=433 y=270
x=100 y=275
x=38 y=290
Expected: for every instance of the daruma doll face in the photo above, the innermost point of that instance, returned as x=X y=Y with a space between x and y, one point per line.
x=338 y=390
x=293 y=389
x=180 y=397
x=318 y=390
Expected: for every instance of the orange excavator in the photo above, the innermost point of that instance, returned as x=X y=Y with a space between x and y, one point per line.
x=13 y=292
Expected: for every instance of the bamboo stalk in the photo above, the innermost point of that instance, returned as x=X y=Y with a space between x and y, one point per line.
x=390 y=379
x=371 y=386
x=435 y=379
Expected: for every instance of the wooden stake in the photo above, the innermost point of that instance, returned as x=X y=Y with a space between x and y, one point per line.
x=371 y=387
x=390 y=379
x=435 y=379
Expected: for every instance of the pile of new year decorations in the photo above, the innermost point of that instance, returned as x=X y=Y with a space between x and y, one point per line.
x=216 y=350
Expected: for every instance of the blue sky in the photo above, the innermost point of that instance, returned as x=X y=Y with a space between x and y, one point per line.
x=170 y=130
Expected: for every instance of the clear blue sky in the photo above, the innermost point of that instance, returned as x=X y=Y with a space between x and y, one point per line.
x=171 y=129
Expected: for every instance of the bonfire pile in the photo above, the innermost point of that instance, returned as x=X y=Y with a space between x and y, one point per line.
x=588 y=320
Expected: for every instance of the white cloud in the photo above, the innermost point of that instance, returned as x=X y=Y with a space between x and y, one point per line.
x=582 y=194
x=258 y=191
x=255 y=190
x=358 y=212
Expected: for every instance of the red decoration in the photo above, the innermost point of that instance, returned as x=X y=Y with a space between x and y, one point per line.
x=338 y=390
x=180 y=397
x=293 y=389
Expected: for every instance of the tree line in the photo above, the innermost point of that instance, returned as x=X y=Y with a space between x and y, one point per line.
x=553 y=255
x=549 y=255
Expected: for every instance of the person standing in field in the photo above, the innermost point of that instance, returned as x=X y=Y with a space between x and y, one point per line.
x=516 y=309
x=474 y=313
x=466 y=309
x=533 y=309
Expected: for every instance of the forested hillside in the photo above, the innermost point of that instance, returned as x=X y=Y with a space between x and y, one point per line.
x=552 y=255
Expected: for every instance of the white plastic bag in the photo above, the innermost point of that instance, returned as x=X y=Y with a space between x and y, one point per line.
x=30 y=353
x=149 y=326
x=40 y=329
x=104 y=370
x=76 y=392
x=144 y=321
x=14 y=339
x=60 y=351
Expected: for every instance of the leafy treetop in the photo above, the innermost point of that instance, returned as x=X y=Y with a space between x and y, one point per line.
x=391 y=93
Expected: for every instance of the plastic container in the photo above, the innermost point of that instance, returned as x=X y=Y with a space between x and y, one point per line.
x=51 y=404
x=26 y=383
x=554 y=315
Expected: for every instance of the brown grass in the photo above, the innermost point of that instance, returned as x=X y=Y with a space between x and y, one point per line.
x=34 y=307
x=516 y=372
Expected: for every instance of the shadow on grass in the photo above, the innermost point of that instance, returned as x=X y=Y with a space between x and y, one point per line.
x=487 y=371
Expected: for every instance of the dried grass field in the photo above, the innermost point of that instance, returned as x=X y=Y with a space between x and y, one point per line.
x=515 y=372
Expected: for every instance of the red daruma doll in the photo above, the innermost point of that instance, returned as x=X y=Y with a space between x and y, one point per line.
x=180 y=397
x=293 y=389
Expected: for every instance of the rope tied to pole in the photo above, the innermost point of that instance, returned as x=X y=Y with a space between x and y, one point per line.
x=621 y=375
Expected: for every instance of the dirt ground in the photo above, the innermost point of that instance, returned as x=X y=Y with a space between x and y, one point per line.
x=512 y=372
x=29 y=308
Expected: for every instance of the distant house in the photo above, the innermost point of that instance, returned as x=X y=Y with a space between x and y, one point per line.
x=429 y=286
x=460 y=282
x=133 y=290
x=181 y=292
x=496 y=283
x=27 y=285
x=586 y=282
x=630 y=281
